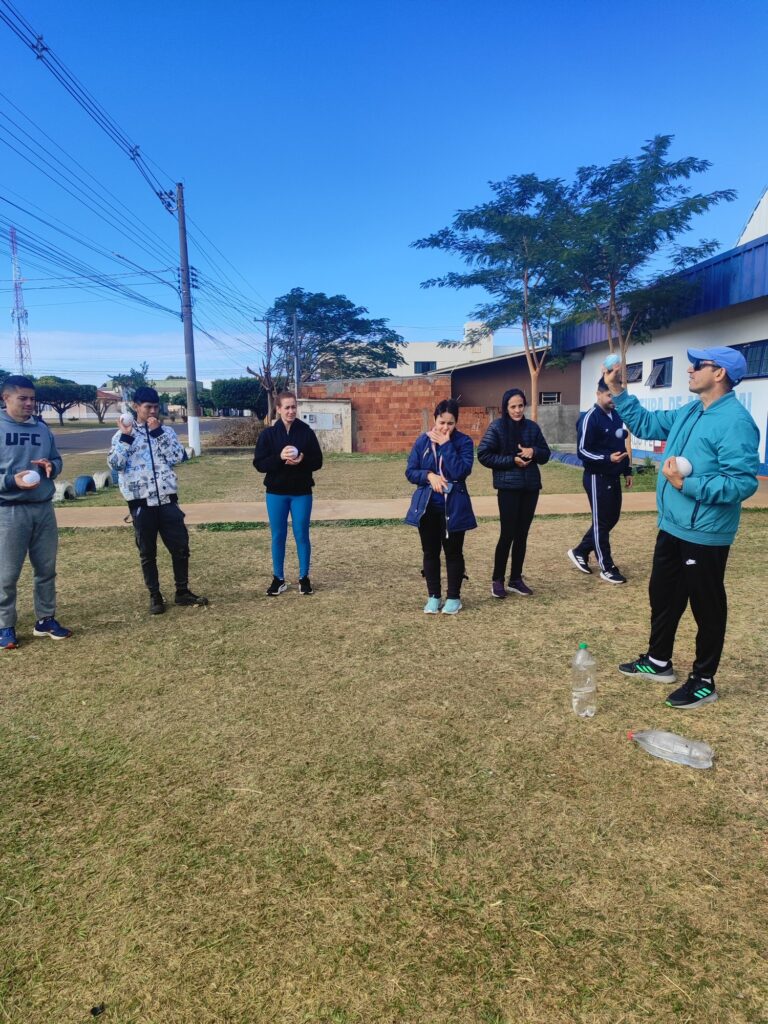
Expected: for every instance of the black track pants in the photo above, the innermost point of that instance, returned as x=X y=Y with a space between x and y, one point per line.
x=433 y=540
x=168 y=522
x=604 y=493
x=683 y=572
x=516 y=511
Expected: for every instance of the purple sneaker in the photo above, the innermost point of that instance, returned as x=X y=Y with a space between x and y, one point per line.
x=518 y=587
x=497 y=589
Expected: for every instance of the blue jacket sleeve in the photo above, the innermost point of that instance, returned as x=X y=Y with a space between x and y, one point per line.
x=650 y=426
x=413 y=471
x=588 y=443
x=457 y=458
x=737 y=455
x=541 y=450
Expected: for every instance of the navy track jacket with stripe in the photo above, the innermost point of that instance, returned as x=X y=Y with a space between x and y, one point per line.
x=599 y=434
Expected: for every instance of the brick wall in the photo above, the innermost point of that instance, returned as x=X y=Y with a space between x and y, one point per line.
x=389 y=412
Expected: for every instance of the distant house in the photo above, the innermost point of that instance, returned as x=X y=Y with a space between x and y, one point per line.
x=429 y=356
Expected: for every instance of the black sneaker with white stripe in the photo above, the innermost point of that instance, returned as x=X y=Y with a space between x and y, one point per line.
x=580 y=562
x=305 y=587
x=612 y=576
x=694 y=692
x=277 y=586
x=644 y=668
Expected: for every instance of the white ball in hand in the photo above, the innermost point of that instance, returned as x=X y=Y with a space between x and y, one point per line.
x=684 y=467
x=293 y=453
x=31 y=477
x=611 y=361
x=126 y=420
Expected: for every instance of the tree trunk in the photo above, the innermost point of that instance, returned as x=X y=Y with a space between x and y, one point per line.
x=534 y=404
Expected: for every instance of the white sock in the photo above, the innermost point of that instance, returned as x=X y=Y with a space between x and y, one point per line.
x=655 y=661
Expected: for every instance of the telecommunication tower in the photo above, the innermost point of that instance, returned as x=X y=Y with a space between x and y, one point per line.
x=19 y=315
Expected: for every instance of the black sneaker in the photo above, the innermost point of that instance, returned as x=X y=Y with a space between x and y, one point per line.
x=644 y=667
x=612 y=576
x=156 y=604
x=580 y=562
x=277 y=586
x=693 y=693
x=187 y=598
x=305 y=587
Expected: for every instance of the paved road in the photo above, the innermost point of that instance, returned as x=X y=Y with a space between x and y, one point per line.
x=98 y=439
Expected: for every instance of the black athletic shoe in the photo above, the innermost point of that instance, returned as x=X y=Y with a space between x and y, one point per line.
x=580 y=562
x=187 y=598
x=156 y=604
x=644 y=667
x=612 y=576
x=305 y=587
x=277 y=586
x=692 y=694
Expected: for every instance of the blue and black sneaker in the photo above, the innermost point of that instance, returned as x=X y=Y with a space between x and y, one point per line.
x=8 y=641
x=694 y=692
x=50 y=627
x=645 y=668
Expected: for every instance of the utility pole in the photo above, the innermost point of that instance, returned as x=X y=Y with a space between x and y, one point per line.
x=19 y=315
x=193 y=411
x=296 y=355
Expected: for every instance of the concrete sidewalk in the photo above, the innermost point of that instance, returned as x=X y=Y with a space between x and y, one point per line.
x=374 y=508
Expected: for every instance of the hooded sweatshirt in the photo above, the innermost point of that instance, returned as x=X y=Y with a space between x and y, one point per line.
x=20 y=443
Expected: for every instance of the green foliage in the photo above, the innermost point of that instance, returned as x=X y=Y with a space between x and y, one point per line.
x=333 y=336
x=61 y=394
x=241 y=393
x=132 y=379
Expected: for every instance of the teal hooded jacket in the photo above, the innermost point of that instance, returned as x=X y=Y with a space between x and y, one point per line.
x=721 y=443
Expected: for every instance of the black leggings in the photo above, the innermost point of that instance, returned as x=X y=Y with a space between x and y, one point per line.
x=516 y=511
x=433 y=538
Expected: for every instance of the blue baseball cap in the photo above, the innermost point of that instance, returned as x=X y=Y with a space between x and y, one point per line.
x=733 y=362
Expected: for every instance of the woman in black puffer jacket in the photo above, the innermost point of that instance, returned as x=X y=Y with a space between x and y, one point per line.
x=514 y=448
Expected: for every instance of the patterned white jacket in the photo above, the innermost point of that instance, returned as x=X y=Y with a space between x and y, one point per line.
x=144 y=461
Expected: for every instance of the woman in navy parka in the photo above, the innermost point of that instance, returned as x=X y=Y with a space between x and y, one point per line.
x=439 y=464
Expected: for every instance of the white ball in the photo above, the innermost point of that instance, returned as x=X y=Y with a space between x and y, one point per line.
x=611 y=361
x=31 y=477
x=292 y=452
x=621 y=432
x=126 y=419
x=684 y=466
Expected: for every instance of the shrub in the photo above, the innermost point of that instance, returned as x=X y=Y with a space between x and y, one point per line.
x=237 y=433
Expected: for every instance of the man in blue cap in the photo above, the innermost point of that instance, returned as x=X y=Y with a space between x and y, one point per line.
x=698 y=513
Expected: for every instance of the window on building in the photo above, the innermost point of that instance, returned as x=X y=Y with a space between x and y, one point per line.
x=424 y=367
x=634 y=372
x=549 y=398
x=756 y=354
x=661 y=374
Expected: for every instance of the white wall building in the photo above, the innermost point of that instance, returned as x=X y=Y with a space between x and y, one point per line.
x=428 y=356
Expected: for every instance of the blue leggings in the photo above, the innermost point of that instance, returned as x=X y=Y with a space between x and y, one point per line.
x=300 y=508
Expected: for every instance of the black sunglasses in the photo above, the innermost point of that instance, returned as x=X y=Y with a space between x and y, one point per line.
x=698 y=363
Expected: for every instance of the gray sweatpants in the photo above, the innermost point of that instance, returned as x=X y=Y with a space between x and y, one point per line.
x=28 y=528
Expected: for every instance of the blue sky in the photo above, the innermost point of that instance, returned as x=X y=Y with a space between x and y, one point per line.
x=317 y=141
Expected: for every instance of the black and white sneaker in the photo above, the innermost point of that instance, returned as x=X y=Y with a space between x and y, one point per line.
x=305 y=586
x=580 y=562
x=645 y=668
x=277 y=586
x=612 y=576
x=693 y=693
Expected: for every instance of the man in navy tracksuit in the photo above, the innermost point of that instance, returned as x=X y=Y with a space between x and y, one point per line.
x=601 y=440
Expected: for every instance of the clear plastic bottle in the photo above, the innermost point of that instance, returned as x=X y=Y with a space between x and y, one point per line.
x=584 y=683
x=671 y=747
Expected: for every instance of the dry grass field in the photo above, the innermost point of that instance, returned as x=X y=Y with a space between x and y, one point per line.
x=233 y=478
x=338 y=810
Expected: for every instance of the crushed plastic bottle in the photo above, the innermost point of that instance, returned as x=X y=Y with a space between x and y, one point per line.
x=671 y=747
x=584 y=683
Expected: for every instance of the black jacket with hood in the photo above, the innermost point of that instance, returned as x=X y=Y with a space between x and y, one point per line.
x=498 y=448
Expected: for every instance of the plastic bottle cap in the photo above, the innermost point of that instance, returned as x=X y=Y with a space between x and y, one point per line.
x=583 y=647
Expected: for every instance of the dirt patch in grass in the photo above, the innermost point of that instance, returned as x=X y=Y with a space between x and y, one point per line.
x=338 y=809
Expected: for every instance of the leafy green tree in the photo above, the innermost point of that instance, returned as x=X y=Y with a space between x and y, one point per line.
x=242 y=393
x=333 y=338
x=62 y=394
x=513 y=247
x=621 y=241
x=132 y=379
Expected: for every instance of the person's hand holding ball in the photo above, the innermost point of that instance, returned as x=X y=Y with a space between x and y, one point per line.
x=675 y=469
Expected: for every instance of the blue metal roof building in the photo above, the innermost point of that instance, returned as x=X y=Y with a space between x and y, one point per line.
x=739 y=275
